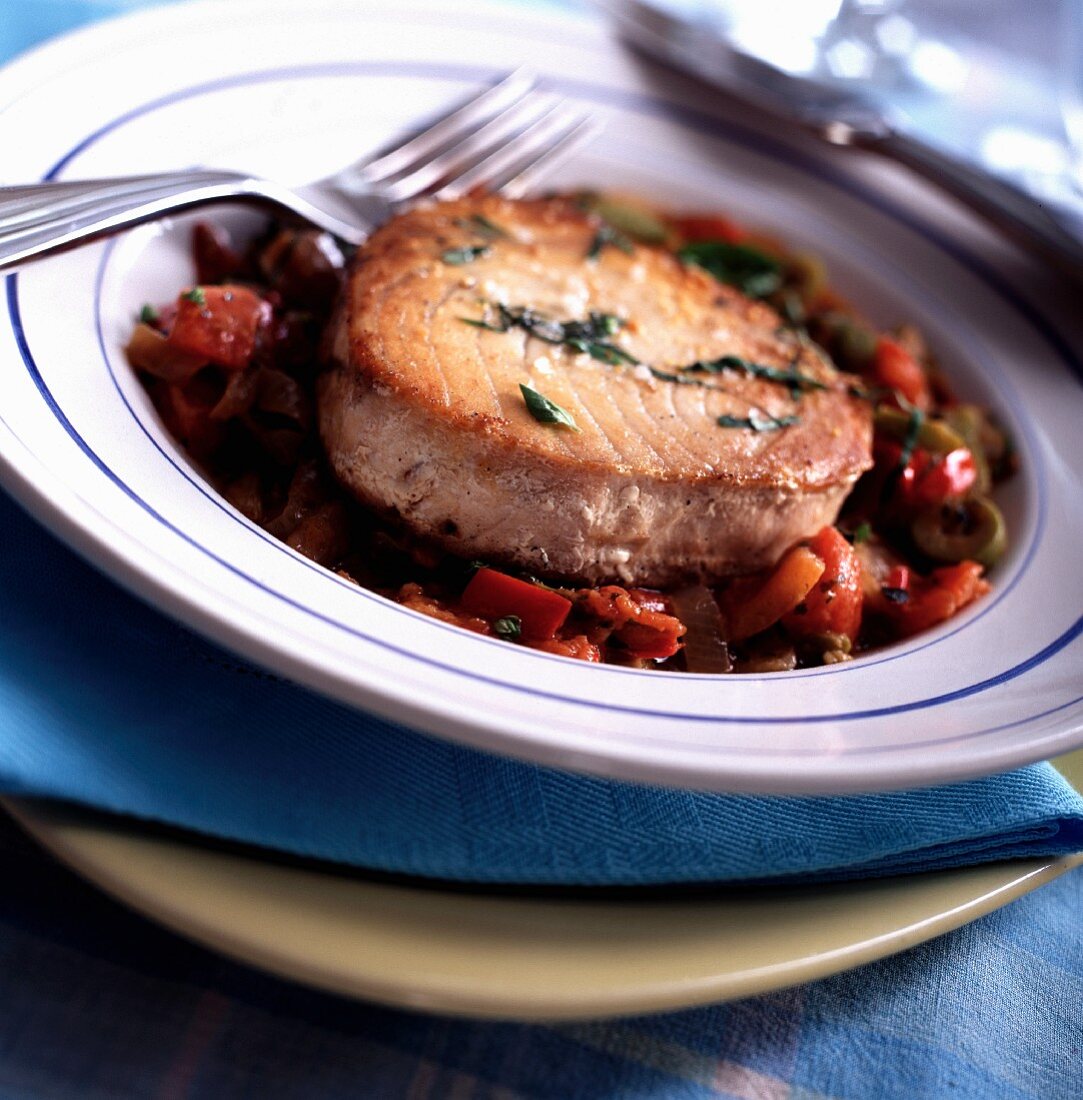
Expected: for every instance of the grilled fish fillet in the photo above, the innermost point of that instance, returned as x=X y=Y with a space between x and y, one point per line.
x=422 y=415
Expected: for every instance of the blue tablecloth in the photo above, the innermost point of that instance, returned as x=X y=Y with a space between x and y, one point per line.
x=93 y=1001
x=98 y=1003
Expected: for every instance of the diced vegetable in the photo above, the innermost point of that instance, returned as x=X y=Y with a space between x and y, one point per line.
x=807 y=275
x=186 y=410
x=212 y=250
x=956 y=531
x=627 y=215
x=747 y=613
x=219 y=323
x=492 y=595
x=579 y=648
x=149 y=351
x=895 y=368
x=950 y=477
x=933 y=434
x=705 y=651
x=644 y=632
x=696 y=228
x=833 y=604
x=936 y=598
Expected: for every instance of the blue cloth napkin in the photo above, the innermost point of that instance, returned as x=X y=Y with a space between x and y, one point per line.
x=105 y=702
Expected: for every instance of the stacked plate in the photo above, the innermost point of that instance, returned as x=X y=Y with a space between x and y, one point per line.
x=80 y=446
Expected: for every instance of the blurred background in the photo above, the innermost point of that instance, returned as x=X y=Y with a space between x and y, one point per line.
x=997 y=82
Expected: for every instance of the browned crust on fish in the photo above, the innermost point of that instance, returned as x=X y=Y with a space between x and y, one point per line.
x=422 y=416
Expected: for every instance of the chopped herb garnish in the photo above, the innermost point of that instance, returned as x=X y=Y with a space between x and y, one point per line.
x=607 y=235
x=545 y=411
x=465 y=255
x=510 y=626
x=895 y=595
x=910 y=440
x=758 y=421
x=788 y=376
x=589 y=337
x=748 y=269
x=148 y=315
x=195 y=295
x=862 y=532
x=479 y=223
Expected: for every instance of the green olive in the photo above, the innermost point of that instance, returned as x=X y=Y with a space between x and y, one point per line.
x=971 y=529
x=807 y=275
x=933 y=435
x=853 y=346
x=636 y=221
x=969 y=421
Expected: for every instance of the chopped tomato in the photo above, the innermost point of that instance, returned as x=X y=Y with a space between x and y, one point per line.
x=416 y=598
x=894 y=368
x=934 y=599
x=750 y=606
x=833 y=604
x=951 y=476
x=492 y=595
x=629 y=618
x=898 y=578
x=579 y=648
x=709 y=227
x=926 y=480
x=219 y=323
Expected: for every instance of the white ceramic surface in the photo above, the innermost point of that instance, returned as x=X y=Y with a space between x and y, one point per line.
x=296 y=90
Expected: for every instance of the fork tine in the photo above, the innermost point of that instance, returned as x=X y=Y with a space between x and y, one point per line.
x=450 y=128
x=504 y=128
x=515 y=168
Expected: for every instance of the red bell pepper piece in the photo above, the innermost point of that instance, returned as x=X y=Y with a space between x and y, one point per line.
x=894 y=368
x=219 y=323
x=950 y=476
x=492 y=595
x=936 y=598
x=697 y=228
x=833 y=604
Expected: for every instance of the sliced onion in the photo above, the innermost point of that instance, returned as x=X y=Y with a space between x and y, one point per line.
x=704 y=649
x=149 y=351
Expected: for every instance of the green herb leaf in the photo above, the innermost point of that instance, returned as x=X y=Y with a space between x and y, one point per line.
x=787 y=376
x=545 y=411
x=195 y=295
x=910 y=440
x=510 y=626
x=748 y=269
x=589 y=337
x=479 y=223
x=465 y=255
x=148 y=315
x=758 y=421
x=607 y=235
x=862 y=532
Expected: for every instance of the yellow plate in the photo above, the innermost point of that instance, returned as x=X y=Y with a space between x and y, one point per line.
x=522 y=957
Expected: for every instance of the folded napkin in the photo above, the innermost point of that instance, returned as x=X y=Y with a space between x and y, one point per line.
x=106 y=703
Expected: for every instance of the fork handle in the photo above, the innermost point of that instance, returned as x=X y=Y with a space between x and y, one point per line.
x=42 y=218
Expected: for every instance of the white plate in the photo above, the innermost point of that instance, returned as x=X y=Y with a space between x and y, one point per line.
x=294 y=91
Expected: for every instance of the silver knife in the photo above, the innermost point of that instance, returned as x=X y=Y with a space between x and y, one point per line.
x=843 y=116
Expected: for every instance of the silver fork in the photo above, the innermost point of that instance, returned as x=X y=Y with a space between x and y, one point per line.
x=502 y=139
